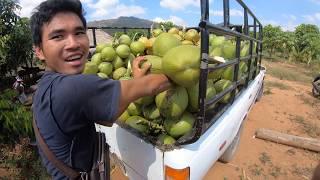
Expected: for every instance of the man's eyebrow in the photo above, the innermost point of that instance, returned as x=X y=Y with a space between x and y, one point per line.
x=58 y=31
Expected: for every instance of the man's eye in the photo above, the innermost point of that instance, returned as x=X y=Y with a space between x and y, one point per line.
x=80 y=32
x=56 y=37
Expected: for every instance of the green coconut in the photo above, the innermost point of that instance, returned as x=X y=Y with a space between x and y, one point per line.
x=215 y=75
x=172 y=102
x=124 y=116
x=245 y=49
x=217 y=51
x=102 y=75
x=151 y=111
x=129 y=58
x=156 y=63
x=123 y=51
x=229 y=50
x=137 y=47
x=124 y=39
x=106 y=68
x=173 y=30
x=187 y=42
x=145 y=101
x=134 y=109
x=192 y=35
x=118 y=73
x=216 y=41
x=179 y=127
x=133 y=121
x=163 y=43
x=166 y=139
x=90 y=68
x=156 y=32
x=182 y=64
x=96 y=58
x=222 y=85
x=108 y=54
x=99 y=47
x=193 y=93
x=117 y=62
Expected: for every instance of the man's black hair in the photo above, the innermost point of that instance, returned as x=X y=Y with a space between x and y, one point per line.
x=47 y=10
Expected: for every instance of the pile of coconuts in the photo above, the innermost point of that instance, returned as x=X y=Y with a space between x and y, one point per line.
x=176 y=53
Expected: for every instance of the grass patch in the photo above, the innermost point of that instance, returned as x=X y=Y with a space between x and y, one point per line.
x=289 y=74
x=267 y=91
x=22 y=161
x=256 y=170
x=264 y=158
x=312 y=129
x=276 y=171
x=279 y=85
x=291 y=71
x=302 y=171
x=309 y=101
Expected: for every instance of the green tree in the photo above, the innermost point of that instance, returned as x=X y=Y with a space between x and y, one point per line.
x=15 y=39
x=8 y=17
x=271 y=39
x=307 y=37
x=167 y=25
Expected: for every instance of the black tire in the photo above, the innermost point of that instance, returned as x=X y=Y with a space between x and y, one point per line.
x=228 y=155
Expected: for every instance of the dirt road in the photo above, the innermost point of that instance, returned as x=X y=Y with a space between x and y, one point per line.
x=287 y=106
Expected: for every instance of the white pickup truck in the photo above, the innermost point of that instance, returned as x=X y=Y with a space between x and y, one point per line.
x=216 y=133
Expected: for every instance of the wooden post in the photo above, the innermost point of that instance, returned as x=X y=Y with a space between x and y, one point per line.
x=291 y=140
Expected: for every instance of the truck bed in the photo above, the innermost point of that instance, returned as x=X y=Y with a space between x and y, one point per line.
x=142 y=160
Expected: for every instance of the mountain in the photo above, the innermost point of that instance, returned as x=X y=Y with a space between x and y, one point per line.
x=112 y=26
x=130 y=22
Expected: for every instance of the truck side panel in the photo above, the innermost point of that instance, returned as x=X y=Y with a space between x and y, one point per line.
x=140 y=159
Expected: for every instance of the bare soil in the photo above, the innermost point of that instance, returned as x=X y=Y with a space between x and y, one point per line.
x=287 y=106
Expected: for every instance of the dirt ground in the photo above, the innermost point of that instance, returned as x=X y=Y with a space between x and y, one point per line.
x=287 y=107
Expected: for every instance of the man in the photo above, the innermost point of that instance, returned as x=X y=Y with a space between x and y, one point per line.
x=67 y=103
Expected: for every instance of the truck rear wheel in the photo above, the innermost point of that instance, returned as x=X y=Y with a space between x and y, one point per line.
x=228 y=155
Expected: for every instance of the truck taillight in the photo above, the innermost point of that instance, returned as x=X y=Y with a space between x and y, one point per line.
x=177 y=174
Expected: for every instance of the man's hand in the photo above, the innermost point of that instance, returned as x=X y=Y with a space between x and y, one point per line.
x=138 y=71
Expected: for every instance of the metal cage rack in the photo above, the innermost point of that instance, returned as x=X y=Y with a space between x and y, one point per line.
x=206 y=118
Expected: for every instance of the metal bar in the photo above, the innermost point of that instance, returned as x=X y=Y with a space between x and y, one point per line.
x=94 y=37
x=226 y=13
x=224 y=31
x=204 y=10
x=246 y=7
x=219 y=96
x=245 y=21
x=220 y=66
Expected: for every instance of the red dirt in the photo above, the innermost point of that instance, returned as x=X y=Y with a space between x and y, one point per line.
x=292 y=110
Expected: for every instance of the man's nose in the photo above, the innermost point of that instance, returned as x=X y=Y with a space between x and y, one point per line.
x=72 y=42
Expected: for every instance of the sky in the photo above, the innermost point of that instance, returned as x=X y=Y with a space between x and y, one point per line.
x=284 y=13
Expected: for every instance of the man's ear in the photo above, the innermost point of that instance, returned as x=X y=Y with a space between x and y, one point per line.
x=39 y=53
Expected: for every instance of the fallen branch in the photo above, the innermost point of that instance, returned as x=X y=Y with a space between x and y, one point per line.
x=291 y=140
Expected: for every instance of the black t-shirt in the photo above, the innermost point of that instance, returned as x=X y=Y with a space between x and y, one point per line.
x=65 y=108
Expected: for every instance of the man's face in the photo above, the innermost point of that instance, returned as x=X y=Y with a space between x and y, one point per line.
x=64 y=45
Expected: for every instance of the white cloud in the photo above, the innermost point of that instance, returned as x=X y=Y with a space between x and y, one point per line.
x=111 y=9
x=316 y=1
x=179 y=5
x=176 y=20
x=27 y=7
x=123 y=10
x=288 y=26
x=312 y=18
x=233 y=12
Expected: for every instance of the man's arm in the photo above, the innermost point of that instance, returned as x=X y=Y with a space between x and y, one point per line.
x=141 y=85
